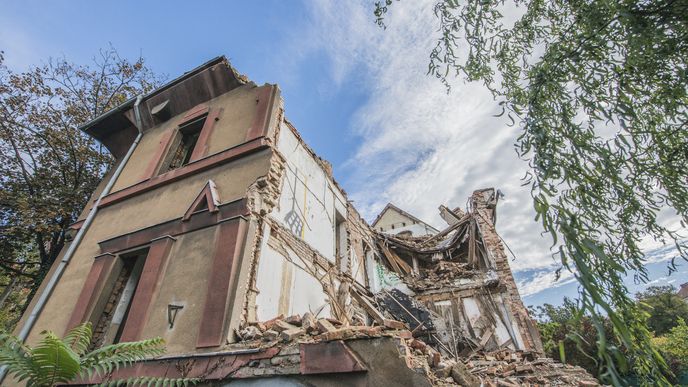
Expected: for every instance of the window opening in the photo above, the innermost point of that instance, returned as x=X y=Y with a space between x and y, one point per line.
x=340 y=243
x=183 y=148
x=111 y=323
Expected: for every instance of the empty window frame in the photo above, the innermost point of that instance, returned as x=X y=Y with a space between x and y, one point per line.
x=340 y=242
x=184 y=144
x=110 y=325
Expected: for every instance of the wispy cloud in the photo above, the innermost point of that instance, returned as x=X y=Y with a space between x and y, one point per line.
x=543 y=279
x=421 y=147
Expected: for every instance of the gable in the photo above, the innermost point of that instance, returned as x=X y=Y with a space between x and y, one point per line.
x=393 y=218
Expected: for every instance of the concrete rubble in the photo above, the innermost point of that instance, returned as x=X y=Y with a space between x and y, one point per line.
x=447 y=300
x=504 y=368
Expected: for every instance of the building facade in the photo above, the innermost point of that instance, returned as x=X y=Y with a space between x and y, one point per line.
x=218 y=218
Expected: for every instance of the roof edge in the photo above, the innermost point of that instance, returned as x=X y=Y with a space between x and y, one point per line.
x=129 y=103
x=393 y=207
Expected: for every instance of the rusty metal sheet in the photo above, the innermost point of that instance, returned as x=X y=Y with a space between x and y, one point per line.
x=328 y=357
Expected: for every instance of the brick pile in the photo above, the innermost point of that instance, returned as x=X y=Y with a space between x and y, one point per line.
x=504 y=368
x=441 y=274
x=508 y=368
x=307 y=328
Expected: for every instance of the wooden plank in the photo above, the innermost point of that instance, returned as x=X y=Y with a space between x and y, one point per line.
x=447 y=230
x=364 y=302
x=486 y=337
x=471 y=243
x=389 y=259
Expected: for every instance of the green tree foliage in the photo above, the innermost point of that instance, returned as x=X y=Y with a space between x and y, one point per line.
x=566 y=330
x=15 y=290
x=664 y=306
x=599 y=89
x=48 y=168
x=54 y=361
x=674 y=346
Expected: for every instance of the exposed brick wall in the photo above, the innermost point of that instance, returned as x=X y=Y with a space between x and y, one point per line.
x=101 y=327
x=484 y=206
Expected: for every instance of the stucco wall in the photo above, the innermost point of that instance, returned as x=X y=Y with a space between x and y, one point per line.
x=166 y=203
x=183 y=283
x=238 y=112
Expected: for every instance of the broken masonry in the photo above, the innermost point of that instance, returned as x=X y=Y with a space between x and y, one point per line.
x=221 y=230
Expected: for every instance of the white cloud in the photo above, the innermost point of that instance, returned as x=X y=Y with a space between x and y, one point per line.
x=544 y=280
x=419 y=146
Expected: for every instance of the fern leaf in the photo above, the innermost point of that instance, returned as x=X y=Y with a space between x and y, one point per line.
x=79 y=338
x=54 y=361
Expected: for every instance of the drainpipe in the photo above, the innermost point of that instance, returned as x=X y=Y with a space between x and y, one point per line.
x=35 y=312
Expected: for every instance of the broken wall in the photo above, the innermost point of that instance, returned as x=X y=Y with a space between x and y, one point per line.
x=460 y=279
x=304 y=243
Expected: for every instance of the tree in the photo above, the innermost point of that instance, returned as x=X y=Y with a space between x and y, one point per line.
x=48 y=168
x=674 y=346
x=55 y=361
x=664 y=306
x=599 y=89
x=569 y=335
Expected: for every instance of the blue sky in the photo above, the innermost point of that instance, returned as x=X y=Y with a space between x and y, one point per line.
x=359 y=96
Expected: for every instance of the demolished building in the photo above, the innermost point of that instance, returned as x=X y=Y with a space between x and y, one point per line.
x=221 y=231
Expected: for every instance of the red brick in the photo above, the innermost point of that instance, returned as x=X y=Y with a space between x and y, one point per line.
x=394 y=324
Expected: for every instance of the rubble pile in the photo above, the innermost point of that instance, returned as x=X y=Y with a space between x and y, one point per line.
x=504 y=368
x=441 y=274
x=517 y=368
x=307 y=328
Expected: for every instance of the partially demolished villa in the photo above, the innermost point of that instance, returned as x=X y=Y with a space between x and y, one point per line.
x=221 y=231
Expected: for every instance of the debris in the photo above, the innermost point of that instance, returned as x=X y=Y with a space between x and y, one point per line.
x=393 y=324
x=281 y=325
x=502 y=366
x=291 y=334
x=294 y=320
x=250 y=332
x=325 y=325
x=463 y=377
x=308 y=322
x=270 y=335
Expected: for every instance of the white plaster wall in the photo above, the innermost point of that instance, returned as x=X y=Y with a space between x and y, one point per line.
x=268 y=280
x=512 y=322
x=358 y=268
x=380 y=278
x=285 y=287
x=308 y=194
x=285 y=284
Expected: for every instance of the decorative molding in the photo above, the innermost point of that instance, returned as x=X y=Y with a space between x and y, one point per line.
x=91 y=290
x=266 y=103
x=174 y=227
x=207 y=195
x=214 y=367
x=229 y=244
x=147 y=288
x=201 y=148
x=194 y=113
x=328 y=357
x=195 y=167
x=162 y=149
